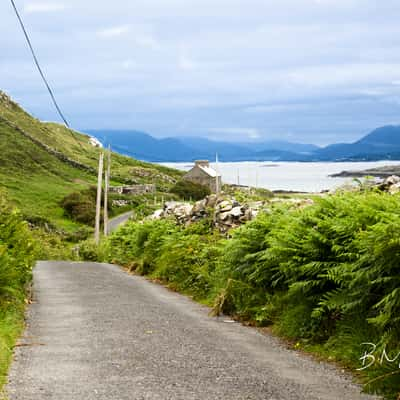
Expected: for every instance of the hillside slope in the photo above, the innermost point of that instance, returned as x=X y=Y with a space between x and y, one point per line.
x=382 y=143
x=40 y=163
x=35 y=180
x=385 y=136
x=143 y=146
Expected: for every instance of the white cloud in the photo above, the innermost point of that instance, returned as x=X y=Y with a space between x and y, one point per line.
x=114 y=31
x=251 y=133
x=43 y=7
x=372 y=92
x=391 y=100
x=254 y=135
x=147 y=41
x=225 y=63
x=185 y=63
x=128 y=64
x=276 y=108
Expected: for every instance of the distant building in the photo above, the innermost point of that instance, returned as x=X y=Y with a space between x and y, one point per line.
x=134 y=189
x=204 y=175
x=95 y=142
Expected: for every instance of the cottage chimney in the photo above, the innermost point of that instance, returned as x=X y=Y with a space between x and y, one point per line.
x=202 y=163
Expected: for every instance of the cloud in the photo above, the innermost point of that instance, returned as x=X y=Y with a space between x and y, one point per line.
x=43 y=7
x=114 y=31
x=275 y=108
x=251 y=133
x=147 y=41
x=254 y=135
x=128 y=64
x=337 y=3
x=309 y=67
x=185 y=63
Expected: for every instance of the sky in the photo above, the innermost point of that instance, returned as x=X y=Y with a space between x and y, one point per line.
x=310 y=71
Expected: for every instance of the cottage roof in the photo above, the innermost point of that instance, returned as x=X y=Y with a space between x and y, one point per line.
x=209 y=171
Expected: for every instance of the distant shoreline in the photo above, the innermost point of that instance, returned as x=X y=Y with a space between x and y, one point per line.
x=381 y=172
x=276 y=163
x=297 y=177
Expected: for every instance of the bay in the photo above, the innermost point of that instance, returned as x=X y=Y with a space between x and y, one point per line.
x=288 y=176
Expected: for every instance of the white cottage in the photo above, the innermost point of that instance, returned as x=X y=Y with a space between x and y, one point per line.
x=204 y=175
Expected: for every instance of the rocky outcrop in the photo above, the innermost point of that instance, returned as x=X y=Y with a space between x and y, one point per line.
x=95 y=142
x=391 y=184
x=226 y=212
x=142 y=172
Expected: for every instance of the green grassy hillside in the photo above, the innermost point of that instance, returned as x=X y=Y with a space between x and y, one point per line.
x=40 y=163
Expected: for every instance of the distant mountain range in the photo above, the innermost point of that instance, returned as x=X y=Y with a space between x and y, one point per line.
x=383 y=143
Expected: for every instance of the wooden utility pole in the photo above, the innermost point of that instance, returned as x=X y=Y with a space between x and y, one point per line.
x=98 y=200
x=106 y=190
x=256 y=179
x=217 y=178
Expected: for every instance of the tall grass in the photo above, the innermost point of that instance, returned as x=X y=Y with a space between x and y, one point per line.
x=17 y=254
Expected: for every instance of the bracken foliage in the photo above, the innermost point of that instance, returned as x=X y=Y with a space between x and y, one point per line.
x=326 y=276
x=17 y=255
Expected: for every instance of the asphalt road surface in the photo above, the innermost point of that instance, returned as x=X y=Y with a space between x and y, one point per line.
x=114 y=223
x=95 y=332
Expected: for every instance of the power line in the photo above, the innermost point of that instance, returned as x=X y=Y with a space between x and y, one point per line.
x=38 y=65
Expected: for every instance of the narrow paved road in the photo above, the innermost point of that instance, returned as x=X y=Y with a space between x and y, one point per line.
x=95 y=332
x=114 y=223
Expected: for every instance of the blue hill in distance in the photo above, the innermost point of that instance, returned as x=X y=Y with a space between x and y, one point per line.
x=381 y=144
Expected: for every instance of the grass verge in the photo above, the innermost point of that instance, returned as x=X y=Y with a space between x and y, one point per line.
x=11 y=327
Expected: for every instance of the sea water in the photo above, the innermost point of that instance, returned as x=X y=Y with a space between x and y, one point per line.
x=288 y=176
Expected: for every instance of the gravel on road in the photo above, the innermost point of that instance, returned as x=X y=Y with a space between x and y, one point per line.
x=95 y=332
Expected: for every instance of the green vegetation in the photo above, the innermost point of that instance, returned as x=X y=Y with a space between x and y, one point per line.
x=48 y=172
x=81 y=206
x=17 y=254
x=20 y=246
x=37 y=178
x=190 y=190
x=245 y=195
x=327 y=277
